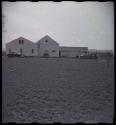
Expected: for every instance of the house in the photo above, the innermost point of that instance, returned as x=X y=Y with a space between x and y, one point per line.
x=47 y=47
x=22 y=46
x=73 y=51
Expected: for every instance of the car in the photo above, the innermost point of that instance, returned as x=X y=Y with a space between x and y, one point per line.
x=13 y=54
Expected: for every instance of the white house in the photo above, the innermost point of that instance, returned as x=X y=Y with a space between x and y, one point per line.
x=47 y=47
x=22 y=46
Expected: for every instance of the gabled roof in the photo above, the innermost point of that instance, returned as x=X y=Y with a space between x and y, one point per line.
x=46 y=37
x=20 y=38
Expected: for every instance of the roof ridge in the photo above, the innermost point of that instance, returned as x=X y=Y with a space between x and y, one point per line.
x=48 y=37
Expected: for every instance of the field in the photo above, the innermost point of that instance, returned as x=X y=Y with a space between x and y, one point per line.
x=48 y=90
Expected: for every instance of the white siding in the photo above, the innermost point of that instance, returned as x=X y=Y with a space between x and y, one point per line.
x=50 y=45
x=26 y=47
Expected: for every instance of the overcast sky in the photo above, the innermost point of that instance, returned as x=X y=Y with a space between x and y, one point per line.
x=76 y=24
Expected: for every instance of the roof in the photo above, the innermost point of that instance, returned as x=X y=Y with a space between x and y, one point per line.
x=67 y=48
x=46 y=37
x=20 y=38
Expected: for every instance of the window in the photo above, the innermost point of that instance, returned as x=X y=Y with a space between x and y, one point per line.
x=53 y=51
x=19 y=41
x=32 y=50
x=46 y=53
x=46 y=41
x=60 y=53
x=22 y=41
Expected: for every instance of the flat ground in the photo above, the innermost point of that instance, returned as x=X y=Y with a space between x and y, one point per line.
x=62 y=90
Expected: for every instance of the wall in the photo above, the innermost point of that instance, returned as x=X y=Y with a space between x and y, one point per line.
x=49 y=45
x=26 y=47
x=73 y=51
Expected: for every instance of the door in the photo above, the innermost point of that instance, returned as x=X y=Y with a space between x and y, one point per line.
x=46 y=53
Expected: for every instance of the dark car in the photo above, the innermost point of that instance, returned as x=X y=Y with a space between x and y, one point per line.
x=13 y=54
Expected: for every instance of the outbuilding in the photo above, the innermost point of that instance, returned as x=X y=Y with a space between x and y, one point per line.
x=73 y=51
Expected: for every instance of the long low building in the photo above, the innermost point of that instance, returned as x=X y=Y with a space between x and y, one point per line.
x=73 y=51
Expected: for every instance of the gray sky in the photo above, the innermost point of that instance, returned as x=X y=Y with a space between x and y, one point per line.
x=88 y=24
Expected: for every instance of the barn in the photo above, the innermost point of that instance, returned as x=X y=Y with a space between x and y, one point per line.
x=47 y=47
x=73 y=51
x=22 y=46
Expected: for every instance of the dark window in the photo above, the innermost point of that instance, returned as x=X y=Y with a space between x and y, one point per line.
x=60 y=53
x=19 y=41
x=46 y=53
x=85 y=52
x=22 y=41
x=32 y=50
x=46 y=41
x=53 y=51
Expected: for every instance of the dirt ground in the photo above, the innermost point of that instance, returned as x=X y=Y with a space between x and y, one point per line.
x=48 y=90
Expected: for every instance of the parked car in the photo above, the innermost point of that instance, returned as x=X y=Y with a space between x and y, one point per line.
x=13 y=54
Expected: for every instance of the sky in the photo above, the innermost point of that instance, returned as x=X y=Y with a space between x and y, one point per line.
x=78 y=24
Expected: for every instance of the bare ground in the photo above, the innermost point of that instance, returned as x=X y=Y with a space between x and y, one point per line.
x=57 y=90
